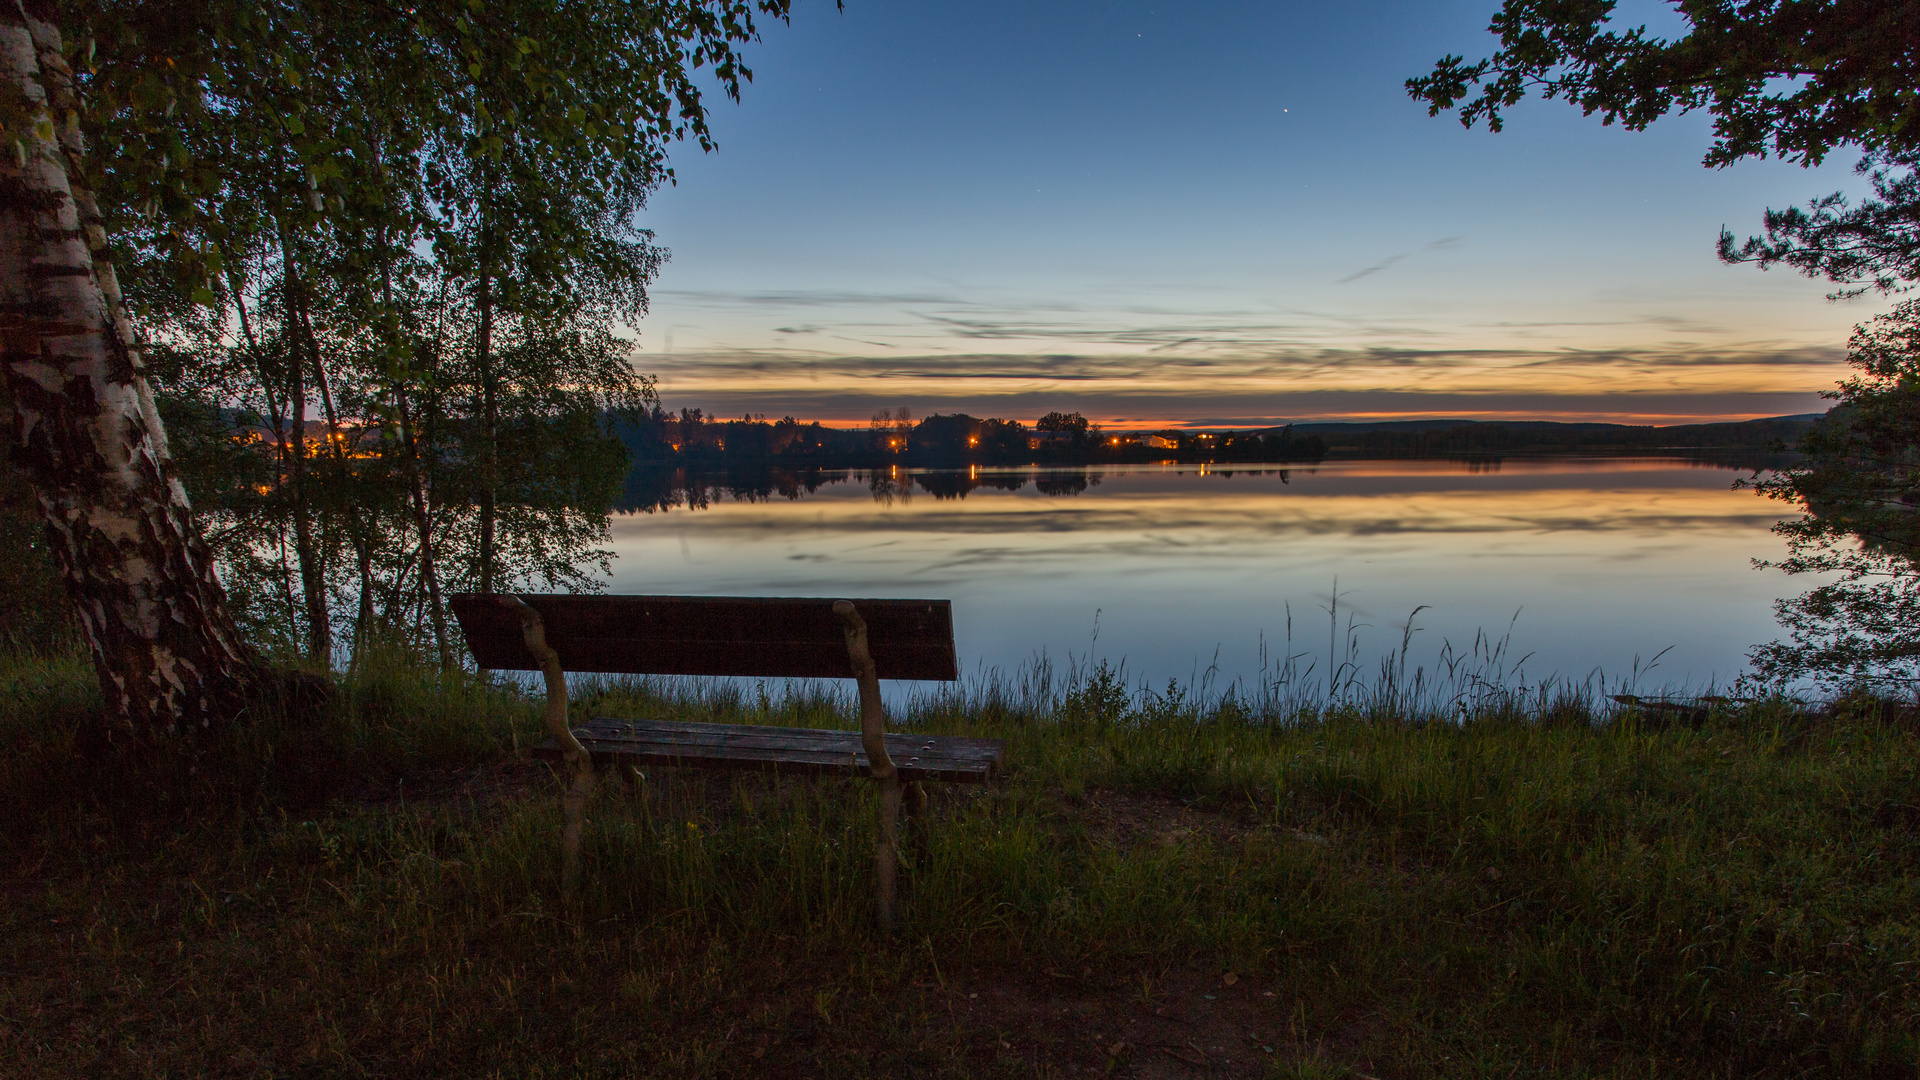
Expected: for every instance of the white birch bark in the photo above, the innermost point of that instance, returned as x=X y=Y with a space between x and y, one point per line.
x=85 y=430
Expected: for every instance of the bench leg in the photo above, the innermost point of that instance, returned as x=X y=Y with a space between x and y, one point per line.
x=886 y=857
x=535 y=633
x=917 y=827
x=873 y=728
x=632 y=777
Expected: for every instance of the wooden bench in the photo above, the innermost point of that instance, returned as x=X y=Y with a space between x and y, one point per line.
x=866 y=640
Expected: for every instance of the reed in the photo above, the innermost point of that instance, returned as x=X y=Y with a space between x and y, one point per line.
x=1405 y=879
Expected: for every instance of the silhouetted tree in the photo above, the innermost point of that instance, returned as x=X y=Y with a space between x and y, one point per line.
x=1071 y=427
x=169 y=137
x=1797 y=79
x=1859 y=488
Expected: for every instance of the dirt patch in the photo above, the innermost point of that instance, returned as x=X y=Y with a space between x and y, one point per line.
x=1128 y=821
x=1155 y=1026
x=504 y=780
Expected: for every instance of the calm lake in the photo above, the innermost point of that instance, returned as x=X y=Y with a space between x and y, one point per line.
x=1176 y=570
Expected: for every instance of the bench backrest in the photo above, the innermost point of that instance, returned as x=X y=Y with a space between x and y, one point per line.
x=712 y=635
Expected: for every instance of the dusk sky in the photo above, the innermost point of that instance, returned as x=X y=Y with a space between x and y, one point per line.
x=1208 y=212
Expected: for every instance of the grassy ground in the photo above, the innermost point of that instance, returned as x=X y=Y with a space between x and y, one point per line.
x=1154 y=888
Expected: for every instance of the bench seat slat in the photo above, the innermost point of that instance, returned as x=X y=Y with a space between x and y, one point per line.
x=849 y=743
x=793 y=762
x=609 y=726
x=775 y=738
x=797 y=751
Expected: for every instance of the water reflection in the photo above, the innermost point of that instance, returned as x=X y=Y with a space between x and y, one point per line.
x=1191 y=566
x=653 y=490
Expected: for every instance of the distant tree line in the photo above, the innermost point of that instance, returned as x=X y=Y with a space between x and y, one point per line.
x=1419 y=439
x=693 y=439
x=955 y=440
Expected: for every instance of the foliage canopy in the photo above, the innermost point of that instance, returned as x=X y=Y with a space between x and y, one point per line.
x=1795 y=79
x=413 y=227
x=1859 y=486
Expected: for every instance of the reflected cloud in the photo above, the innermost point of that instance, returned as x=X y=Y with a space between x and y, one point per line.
x=1239 y=510
x=1605 y=554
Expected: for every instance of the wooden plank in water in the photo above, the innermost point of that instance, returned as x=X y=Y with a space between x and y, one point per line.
x=713 y=635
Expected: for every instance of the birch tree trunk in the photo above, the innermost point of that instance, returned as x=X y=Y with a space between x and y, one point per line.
x=85 y=430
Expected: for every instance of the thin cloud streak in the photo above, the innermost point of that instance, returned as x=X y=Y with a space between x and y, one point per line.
x=1442 y=244
x=908 y=324
x=1549 y=371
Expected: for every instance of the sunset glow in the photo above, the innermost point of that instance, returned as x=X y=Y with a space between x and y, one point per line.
x=1221 y=216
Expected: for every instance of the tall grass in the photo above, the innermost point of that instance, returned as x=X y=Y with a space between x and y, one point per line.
x=1434 y=876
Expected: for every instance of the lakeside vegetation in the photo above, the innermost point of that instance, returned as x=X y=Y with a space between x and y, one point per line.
x=1469 y=880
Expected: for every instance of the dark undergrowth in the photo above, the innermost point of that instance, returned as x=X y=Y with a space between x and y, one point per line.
x=1528 y=887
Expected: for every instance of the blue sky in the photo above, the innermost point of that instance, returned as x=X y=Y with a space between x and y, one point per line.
x=1207 y=212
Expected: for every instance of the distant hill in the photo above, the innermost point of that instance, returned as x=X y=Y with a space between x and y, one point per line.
x=1419 y=437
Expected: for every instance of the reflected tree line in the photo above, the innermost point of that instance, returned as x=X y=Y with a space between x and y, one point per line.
x=654 y=489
